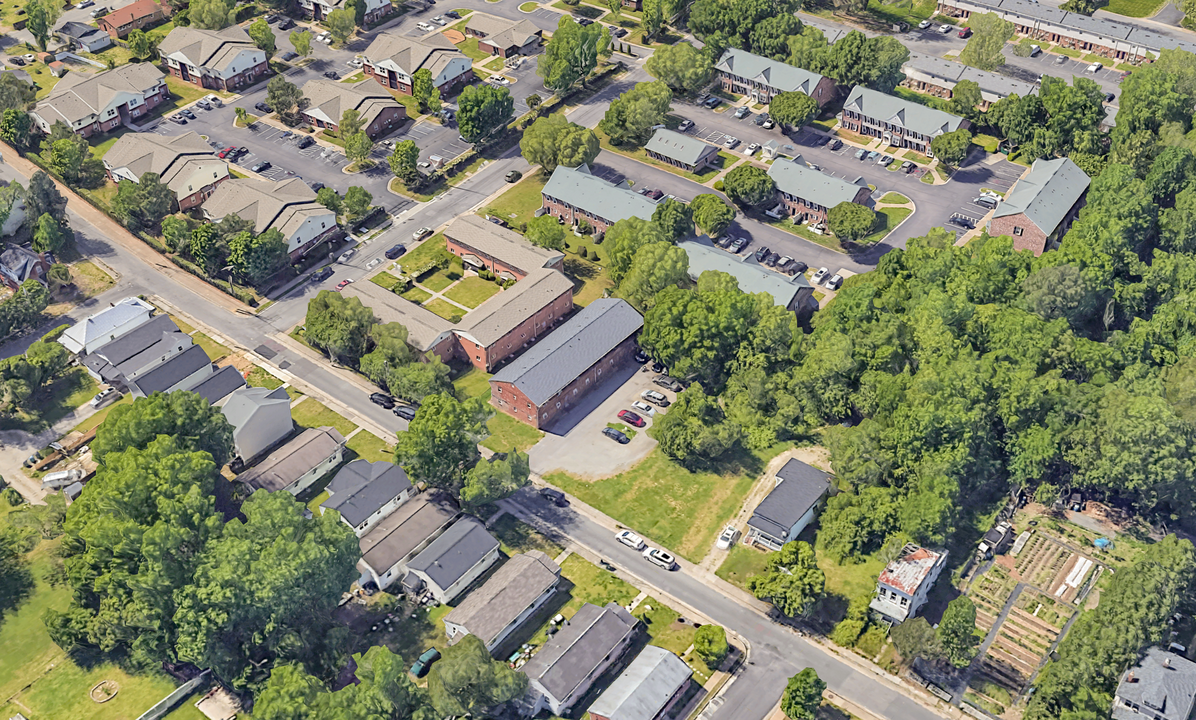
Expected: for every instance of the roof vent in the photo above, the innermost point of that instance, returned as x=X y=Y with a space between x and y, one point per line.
x=1130 y=678
x=1167 y=661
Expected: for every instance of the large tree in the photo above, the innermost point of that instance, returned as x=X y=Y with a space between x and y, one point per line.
x=631 y=117
x=654 y=267
x=422 y=88
x=711 y=214
x=682 y=67
x=301 y=41
x=404 y=161
x=495 y=478
x=467 y=681
x=952 y=148
x=710 y=643
x=16 y=582
x=142 y=44
x=572 y=53
x=623 y=241
x=990 y=32
x=338 y=325
x=793 y=109
x=749 y=185
x=40 y=16
x=803 y=695
x=341 y=23
x=143 y=204
x=957 y=634
x=263 y=37
x=257 y=257
x=483 y=110
x=850 y=221
x=791 y=580
x=552 y=140
x=695 y=431
x=211 y=14
x=282 y=95
x=440 y=444
x=185 y=416
x=546 y=232
x=674 y=217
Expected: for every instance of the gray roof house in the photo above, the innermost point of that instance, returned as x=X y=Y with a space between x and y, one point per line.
x=106 y=325
x=937 y=76
x=137 y=352
x=82 y=100
x=500 y=36
x=181 y=372
x=185 y=163
x=288 y=205
x=260 y=417
x=365 y=492
x=808 y=194
x=762 y=78
x=650 y=686
x=588 y=643
x=900 y=122
x=19 y=264
x=454 y=560
x=82 y=37
x=511 y=595
x=791 y=293
x=789 y=506
x=1161 y=686
x=329 y=99
x=401 y=535
x=575 y=194
x=680 y=150
x=504 y=252
x=219 y=384
x=1041 y=206
x=297 y=464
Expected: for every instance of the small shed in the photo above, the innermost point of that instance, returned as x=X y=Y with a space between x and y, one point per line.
x=58 y=68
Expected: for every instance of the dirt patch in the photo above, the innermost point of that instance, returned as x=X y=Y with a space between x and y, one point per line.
x=240 y=362
x=453 y=36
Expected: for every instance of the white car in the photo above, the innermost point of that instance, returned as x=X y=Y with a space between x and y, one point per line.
x=214 y=100
x=356 y=62
x=630 y=539
x=344 y=258
x=29 y=57
x=660 y=558
x=820 y=276
x=642 y=407
x=327 y=40
x=422 y=233
x=834 y=283
x=731 y=141
x=685 y=125
x=102 y=397
x=924 y=24
x=751 y=149
x=425 y=26
x=439 y=20
x=1095 y=67
x=727 y=538
x=944 y=29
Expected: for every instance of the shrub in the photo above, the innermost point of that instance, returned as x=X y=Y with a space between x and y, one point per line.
x=718 y=185
x=12 y=497
x=847 y=632
x=582 y=251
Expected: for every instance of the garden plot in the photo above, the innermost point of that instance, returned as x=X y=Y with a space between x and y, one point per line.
x=989 y=593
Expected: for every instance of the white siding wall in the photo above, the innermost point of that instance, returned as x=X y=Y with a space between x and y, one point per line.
x=315 y=473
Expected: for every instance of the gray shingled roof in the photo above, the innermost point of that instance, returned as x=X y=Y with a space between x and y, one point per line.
x=571 y=349
x=581 y=189
x=501 y=32
x=449 y=557
x=245 y=404
x=505 y=311
x=219 y=384
x=582 y=645
x=902 y=113
x=176 y=159
x=410 y=54
x=751 y=276
x=678 y=146
x=1046 y=193
x=361 y=488
x=293 y=460
x=211 y=49
x=800 y=488
x=329 y=99
x=946 y=73
x=796 y=179
x=424 y=327
x=405 y=529
x=1162 y=683
x=773 y=73
x=78 y=96
x=284 y=205
x=79 y=31
x=107 y=360
x=644 y=688
x=173 y=371
x=489 y=610
x=505 y=245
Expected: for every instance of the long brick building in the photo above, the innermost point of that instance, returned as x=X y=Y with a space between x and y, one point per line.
x=1041 y=206
x=576 y=194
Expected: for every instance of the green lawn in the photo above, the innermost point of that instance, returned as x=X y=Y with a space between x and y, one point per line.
x=312 y=413
x=1134 y=8
x=118 y=54
x=314 y=504
x=186 y=92
x=355 y=77
x=258 y=377
x=52 y=402
x=895 y=198
x=428 y=251
x=40 y=75
x=851 y=580
x=507 y=432
x=681 y=509
x=416 y=295
x=472 y=291
x=100 y=149
x=741 y=563
x=664 y=631
x=367 y=445
x=214 y=349
x=101 y=415
x=472 y=383
x=518 y=537
x=442 y=278
x=446 y=310
x=496 y=64
x=385 y=280
x=886 y=220
x=470 y=48
x=183 y=325
x=590 y=281
x=519 y=204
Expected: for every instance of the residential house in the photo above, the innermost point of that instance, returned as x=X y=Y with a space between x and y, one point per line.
x=792 y=293
x=680 y=150
x=328 y=100
x=650 y=688
x=365 y=492
x=181 y=371
x=106 y=325
x=576 y=194
x=139 y=15
x=90 y=104
x=133 y=354
x=1160 y=686
x=288 y=205
x=19 y=264
x=502 y=37
x=219 y=385
x=185 y=163
x=505 y=601
x=297 y=464
x=935 y=76
x=789 y=506
x=483 y=245
x=399 y=537
x=375 y=10
x=453 y=560
x=898 y=122
x=588 y=643
x=636 y=5
x=1053 y=26
x=762 y=78
x=555 y=374
x=392 y=60
x=224 y=59
x=808 y=194
x=905 y=583
x=261 y=418
x=1041 y=206
x=82 y=37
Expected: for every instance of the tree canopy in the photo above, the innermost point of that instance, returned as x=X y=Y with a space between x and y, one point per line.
x=440 y=444
x=185 y=416
x=552 y=140
x=791 y=580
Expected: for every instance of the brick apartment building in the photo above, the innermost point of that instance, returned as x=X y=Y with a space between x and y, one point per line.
x=502 y=37
x=899 y=123
x=484 y=245
x=137 y=16
x=575 y=194
x=224 y=59
x=99 y=103
x=680 y=150
x=938 y=77
x=1041 y=206
x=186 y=163
x=762 y=79
x=808 y=194
x=375 y=10
x=392 y=60
x=554 y=375
x=380 y=113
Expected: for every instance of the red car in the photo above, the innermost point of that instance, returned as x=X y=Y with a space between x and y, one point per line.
x=342 y=285
x=224 y=153
x=629 y=417
x=965 y=33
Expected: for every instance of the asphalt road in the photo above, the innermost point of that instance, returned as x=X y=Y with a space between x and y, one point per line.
x=777 y=653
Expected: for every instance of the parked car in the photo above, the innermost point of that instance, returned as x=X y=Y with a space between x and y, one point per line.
x=885 y=160
x=668 y=383
x=760 y=119
x=382 y=399
x=304 y=142
x=768 y=124
x=332 y=75
x=263 y=108
x=872 y=154
x=615 y=435
x=730 y=142
x=439 y=20
x=421 y=233
x=631 y=418
x=751 y=149
x=798 y=267
x=321 y=275
x=653 y=194
x=271 y=19
x=1110 y=97
x=101 y=10
x=985 y=201
x=861 y=153
x=201 y=103
x=660 y=558
x=1095 y=67
x=103 y=396
x=784 y=262
x=343 y=284
x=761 y=253
x=944 y=29
x=924 y=24
x=835 y=282
x=261 y=167
x=835 y=144
x=742 y=111
x=286 y=24
x=395 y=252
x=187 y=114
x=405 y=411
x=619 y=32
x=346 y=255
x=908 y=167
x=1060 y=59
x=771 y=260
x=820 y=276
x=85 y=4
x=965 y=32
x=178 y=119
x=713 y=101
x=739 y=244
x=644 y=407
x=224 y=154
x=656 y=398
x=513 y=176
x=556 y=497
x=425 y=27
x=727 y=538
x=630 y=539
x=724 y=241
x=288 y=56
x=424 y=663
x=453 y=14
x=19 y=62
x=685 y=126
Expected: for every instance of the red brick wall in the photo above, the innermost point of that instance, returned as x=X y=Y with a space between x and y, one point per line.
x=1031 y=238
x=196 y=199
x=557 y=209
x=536 y=326
x=386 y=121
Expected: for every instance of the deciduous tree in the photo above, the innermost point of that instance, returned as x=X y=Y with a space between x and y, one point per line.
x=682 y=67
x=356 y=202
x=674 y=217
x=257 y=257
x=710 y=643
x=547 y=232
x=802 y=695
x=211 y=14
x=655 y=267
x=282 y=95
x=341 y=23
x=440 y=444
x=990 y=32
x=952 y=148
x=572 y=53
x=850 y=221
x=338 y=325
x=624 y=239
x=695 y=431
x=422 y=87
x=301 y=41
x=404 y=161
x=631 y=116
x=263 y=37
x=483 y=110
x=791 y=580
x=467 y=680
x=552 y=140
x=711 y=214
x=749 y=185
x=494 y=479
x=358 y=147
x=48 y=236
x=15 y=126
x=142 y=44
x=417 y=380
x=957 y=634
x=40 y=16
x=793 y=109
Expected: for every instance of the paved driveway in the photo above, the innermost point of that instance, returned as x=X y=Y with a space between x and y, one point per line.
x=575 y=443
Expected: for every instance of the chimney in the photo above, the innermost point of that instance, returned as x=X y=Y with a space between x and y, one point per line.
x=1130 y=678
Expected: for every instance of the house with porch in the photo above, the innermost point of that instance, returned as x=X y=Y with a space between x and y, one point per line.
x=789 y=507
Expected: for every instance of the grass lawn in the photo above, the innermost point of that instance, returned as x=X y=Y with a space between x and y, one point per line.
x=472 y=383
x=470 y=48
x=666 y=632
x=507 y=432
x=625 y=429
x=100 y=149
x=258 y=377
x=385 y=280
x=214 y=349
x=355 y=77
x=496 y=64
x=742 y=562
x=446 y=310
x=368 y=446
x=802 y=231
x=886 y=220
x=680 y=509
x=590 y=281
x=52 y=402
x=472 y=291
x=895 y=198
x=312 y=413
x=89 y=279
x=528 y=6
x=101 y=415
x=183 y=325
x=185 y=92
x=850 y=580
x=416 y=295
x=520 y=203
x=432 y=249
x=119 y=55
x=442 y=278
x=314 y=504
x=518 y=537
x=41 y=77
x=988 y=142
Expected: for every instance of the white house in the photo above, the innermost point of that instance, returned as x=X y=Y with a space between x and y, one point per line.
x=216 y=59
x=789 y=506
x=290 y=206
x=399 y=537
x=260 y=418
x=905 y=583
x=454 y=560
x=512 y=595
x=297 y=464
x=106 y=325
x=137 y=352
x=365 y=492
